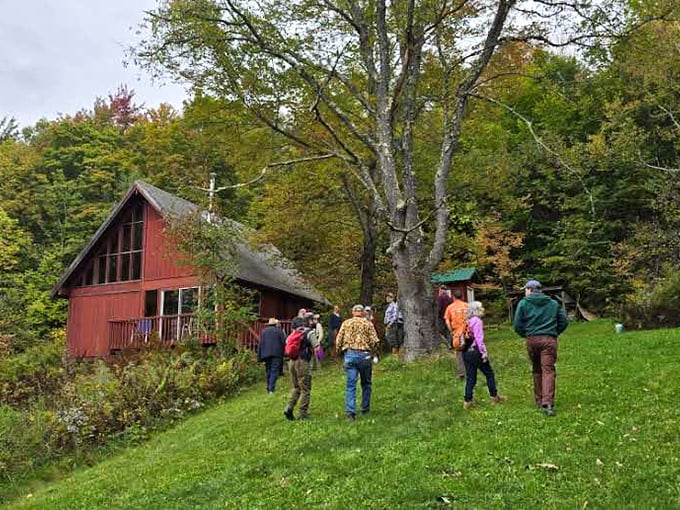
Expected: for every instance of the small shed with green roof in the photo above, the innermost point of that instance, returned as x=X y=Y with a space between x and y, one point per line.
x=462 y=278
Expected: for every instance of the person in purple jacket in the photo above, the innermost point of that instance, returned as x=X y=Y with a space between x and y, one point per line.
x=477 y=358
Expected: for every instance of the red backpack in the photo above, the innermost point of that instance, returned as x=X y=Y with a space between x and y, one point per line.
x=294 y=343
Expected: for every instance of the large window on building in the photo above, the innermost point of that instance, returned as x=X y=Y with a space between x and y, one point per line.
x=179 y=301
x=119 y=257
x=177 y=312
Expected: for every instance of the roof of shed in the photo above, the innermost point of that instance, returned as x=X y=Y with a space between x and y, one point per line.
x=455 y=275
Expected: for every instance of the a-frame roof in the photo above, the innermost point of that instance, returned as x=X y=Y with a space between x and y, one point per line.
x=265 y=266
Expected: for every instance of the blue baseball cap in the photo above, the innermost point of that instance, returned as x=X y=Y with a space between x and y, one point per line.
x=533 y=285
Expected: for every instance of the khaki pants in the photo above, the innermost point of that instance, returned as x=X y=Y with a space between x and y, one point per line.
x=460 y=365
x=301 y=383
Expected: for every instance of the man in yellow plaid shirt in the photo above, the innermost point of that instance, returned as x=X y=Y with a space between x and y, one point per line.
x=358 y=342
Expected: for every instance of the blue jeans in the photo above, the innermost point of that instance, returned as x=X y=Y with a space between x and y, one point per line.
x=358 y=364
x=271 y=368
x=473 y=361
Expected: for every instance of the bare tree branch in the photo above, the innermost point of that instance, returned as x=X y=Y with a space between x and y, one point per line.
x=300 y=67
x=452 y=127
x=267 y=167
x=670 y=114
x=656 y=167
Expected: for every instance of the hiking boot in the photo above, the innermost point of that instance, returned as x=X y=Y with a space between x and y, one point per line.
x=548 y=410
x=498 y=399
x=288 y=413
x=467 y=405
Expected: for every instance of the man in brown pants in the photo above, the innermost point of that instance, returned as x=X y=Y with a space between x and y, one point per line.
x=301 y=373
x=541 y=320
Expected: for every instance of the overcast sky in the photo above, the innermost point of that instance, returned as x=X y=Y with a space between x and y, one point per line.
x=58 y=56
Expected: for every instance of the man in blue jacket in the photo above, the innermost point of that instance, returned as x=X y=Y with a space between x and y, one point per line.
x=541 y=320
x=270 y=351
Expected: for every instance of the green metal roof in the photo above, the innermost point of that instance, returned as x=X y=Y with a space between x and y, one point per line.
x=455 y=275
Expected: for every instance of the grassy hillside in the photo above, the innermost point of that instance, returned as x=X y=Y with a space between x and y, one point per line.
x=613 y=443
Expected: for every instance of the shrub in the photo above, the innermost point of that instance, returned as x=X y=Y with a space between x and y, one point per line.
x=655 y=307
x=51 y=411
x=37 y=371
x=22 y=439
x=105 y=401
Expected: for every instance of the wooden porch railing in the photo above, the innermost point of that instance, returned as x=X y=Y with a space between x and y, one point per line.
x=169 y=330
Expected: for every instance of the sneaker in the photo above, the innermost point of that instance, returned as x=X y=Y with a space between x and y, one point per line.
x=303 y=417
x=365 y=412
x=288 y=413
x=467 y=405
x=351 y=416
x=548 y=410
x=498 y=399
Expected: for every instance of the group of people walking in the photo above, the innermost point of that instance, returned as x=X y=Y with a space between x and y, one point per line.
x=538 y=318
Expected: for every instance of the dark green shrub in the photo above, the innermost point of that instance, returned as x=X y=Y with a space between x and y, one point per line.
x=655 y=307
x=36 y=372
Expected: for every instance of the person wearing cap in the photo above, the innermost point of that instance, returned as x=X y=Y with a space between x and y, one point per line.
x=270 y=352
x=368 y=315
x=301 y=373
x=298 y=320
x=541 y=320
x=316 y=337
x=394 y=324
x=359 y=342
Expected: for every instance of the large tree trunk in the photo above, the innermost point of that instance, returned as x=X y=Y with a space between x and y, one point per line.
x=416 y=303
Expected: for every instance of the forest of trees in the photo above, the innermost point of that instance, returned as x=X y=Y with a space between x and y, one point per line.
x=566 y=170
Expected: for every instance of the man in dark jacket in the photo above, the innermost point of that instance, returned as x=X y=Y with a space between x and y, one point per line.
x=270 y=351
x=541 y=320
x=443 y=301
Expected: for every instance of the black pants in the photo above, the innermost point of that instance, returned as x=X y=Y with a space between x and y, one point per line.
x=473 y=362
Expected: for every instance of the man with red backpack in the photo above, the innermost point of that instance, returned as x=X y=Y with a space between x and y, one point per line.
x=299 y=351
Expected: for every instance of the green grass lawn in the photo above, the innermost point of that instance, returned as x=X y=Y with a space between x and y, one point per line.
x=613 y=444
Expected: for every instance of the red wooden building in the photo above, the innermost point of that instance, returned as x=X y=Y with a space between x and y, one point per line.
x=126 y=285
